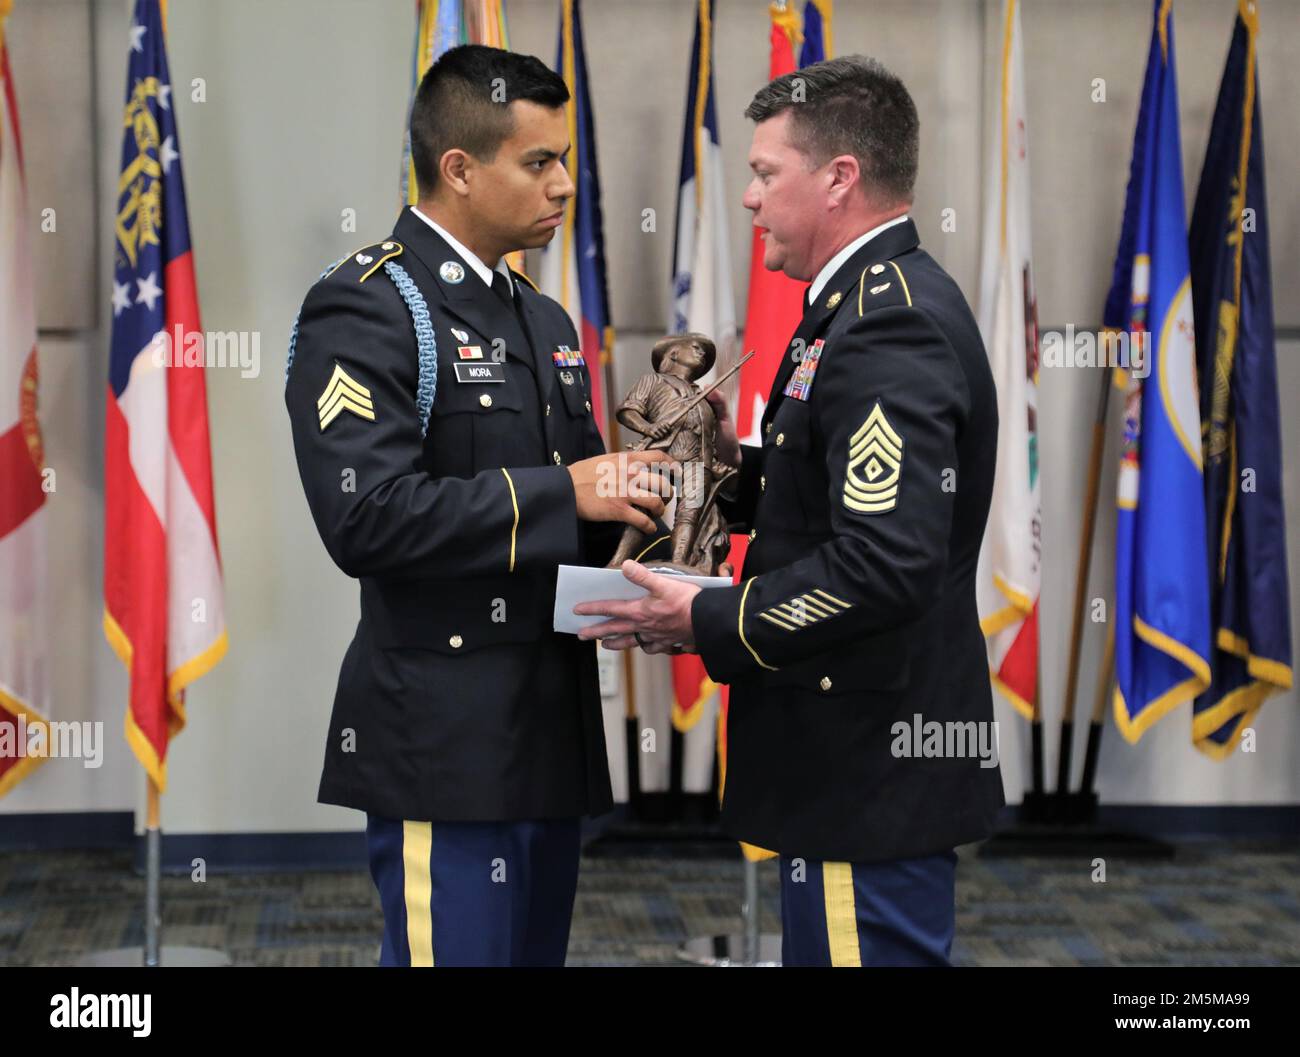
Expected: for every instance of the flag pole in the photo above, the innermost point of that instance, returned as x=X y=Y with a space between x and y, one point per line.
x=750 y=912
x=1050 y=822
x=153 y=876
x=1105 y=678
x=747 y=948
x=1036 y=734
x=631 y=733
x=631 y=736
x=151 y=953
x=1091 y=497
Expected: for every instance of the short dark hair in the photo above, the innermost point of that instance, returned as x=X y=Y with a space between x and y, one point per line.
x=463 y=101
x=850 y=105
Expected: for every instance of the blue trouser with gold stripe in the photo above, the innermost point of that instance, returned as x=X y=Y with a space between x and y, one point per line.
x=878 y=913
x=474 y=893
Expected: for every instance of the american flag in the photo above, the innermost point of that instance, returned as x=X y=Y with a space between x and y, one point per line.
x=163 y=607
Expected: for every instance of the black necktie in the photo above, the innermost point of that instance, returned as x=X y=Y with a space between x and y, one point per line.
x=501 y=287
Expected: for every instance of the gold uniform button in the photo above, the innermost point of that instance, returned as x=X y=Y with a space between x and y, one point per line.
x=753 y=533
x=780 y=439
x=556 y=456
x=825 y=684
x=456 y=642
x=548 y=409
x=767 y=428
x=588 y=405
x=485 y=400
x=762 y=483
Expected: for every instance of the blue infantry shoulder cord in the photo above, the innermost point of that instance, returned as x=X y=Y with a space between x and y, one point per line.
x=425 y=342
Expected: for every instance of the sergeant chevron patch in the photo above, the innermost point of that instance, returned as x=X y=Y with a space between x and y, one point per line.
x=877 y=451
x=344 y=393
x=805 y=609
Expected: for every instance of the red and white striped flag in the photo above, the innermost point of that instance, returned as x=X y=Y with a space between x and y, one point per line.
x=24 y=686
x=163 y=606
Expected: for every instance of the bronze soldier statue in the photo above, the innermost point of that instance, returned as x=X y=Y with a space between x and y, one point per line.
x=654 y=408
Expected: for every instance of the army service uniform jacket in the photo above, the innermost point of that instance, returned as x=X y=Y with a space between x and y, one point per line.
x=856 y=607
x=432 y=427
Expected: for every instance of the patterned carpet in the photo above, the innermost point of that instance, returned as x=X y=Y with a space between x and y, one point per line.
x=1213 y=904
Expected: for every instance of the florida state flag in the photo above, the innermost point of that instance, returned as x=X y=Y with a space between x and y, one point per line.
x=24 y=687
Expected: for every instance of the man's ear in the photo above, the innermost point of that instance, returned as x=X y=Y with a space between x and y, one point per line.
x=453 y=170
x=845 y=176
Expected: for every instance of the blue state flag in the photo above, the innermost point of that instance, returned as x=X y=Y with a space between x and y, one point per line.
x=1240 y=429
x=573 y=264
x=816 y=33
x=1162 y=597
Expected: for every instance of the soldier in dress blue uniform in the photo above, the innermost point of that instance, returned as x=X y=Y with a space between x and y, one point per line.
x=442 y=421
x=865 y=504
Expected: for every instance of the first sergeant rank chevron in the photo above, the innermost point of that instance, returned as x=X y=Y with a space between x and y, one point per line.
x=877 y=451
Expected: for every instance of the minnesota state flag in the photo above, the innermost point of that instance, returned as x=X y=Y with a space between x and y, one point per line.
x=1162 y=596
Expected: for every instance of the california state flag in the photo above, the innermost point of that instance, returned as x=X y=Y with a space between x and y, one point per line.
x=1010 y=561
x=24 y=687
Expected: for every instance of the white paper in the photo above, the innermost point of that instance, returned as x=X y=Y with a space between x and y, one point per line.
x=580 y=583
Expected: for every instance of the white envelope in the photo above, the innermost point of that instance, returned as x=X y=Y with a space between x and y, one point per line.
x=580 y=583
